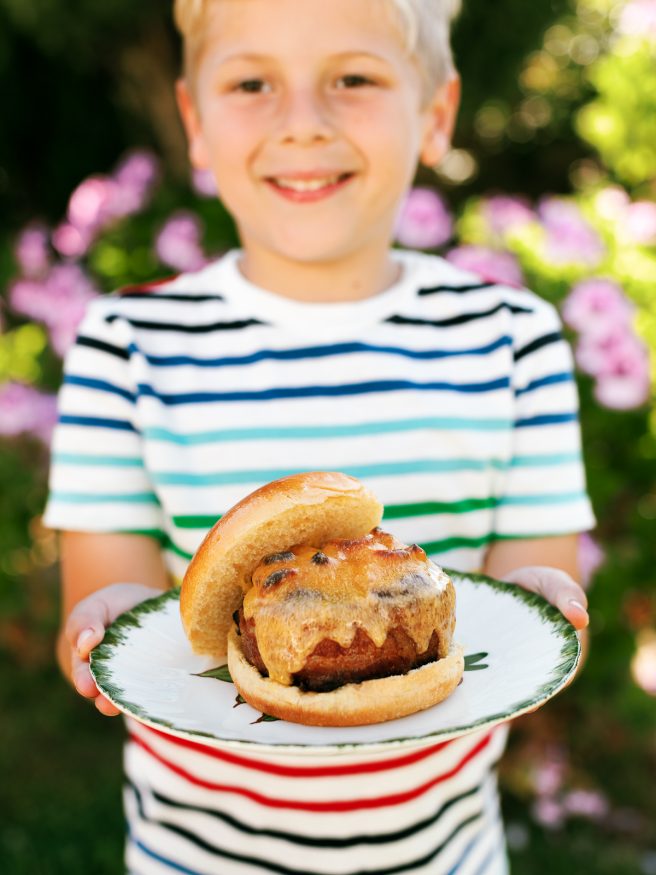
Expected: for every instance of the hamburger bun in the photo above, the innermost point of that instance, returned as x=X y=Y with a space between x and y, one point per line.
x=302 y=508
x=353 y=626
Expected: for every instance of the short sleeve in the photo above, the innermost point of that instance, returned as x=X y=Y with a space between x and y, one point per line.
x=98 y=481
x=543 y=489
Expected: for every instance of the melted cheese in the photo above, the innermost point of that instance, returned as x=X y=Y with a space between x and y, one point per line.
x=308 y=594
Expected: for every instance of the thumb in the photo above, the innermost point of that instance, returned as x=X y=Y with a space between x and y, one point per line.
x=85 y=627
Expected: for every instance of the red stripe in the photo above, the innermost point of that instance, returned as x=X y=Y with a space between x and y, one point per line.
x=149 y=286
x=331 y=806
x=303 y=771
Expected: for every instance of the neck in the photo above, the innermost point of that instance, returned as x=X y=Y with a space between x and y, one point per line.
x=353 y=278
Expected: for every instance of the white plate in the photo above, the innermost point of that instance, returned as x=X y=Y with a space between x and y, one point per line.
x=519 y=652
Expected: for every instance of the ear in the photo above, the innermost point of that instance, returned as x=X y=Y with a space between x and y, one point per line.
x=440 y=118
x=197 y=149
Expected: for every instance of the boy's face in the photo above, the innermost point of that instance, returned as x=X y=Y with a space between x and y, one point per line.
x=286 y=89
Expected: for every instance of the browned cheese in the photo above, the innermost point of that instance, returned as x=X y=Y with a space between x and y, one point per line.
x=309 y=594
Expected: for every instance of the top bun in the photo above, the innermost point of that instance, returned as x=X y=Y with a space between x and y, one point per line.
x=308 y=508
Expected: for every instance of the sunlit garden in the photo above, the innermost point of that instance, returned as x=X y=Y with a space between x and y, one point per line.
x=550 y=185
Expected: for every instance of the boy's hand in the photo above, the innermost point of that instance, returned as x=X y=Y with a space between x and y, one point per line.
x=85 y=629
x=557 y=587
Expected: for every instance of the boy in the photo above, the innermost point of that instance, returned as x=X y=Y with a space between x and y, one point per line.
x=314 y=346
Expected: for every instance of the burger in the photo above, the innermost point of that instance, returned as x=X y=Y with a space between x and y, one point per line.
x=325 y=618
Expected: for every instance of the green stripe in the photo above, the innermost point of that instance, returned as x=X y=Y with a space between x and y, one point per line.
x=426 y=508
x=465 y=505
x=303 y=432
x=98 y=461
x=455 y=542
x=102 y=498
x=196 y=522
x=429 y=547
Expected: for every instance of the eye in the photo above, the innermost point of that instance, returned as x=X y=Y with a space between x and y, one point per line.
x=250 y=86
x=354 y=80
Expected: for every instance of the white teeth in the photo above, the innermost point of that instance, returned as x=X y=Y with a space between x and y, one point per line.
x=307 y=184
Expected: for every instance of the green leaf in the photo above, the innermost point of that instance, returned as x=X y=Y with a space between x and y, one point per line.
x=266 y=718
x=472 y=662
x=221 y=673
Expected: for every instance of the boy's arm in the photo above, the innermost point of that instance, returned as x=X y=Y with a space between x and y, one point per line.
x=102 y=576
x=547 y=566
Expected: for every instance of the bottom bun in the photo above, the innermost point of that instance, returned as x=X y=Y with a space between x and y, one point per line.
x=353 y=704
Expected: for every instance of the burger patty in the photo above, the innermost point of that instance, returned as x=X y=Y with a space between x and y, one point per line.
x=330 y=665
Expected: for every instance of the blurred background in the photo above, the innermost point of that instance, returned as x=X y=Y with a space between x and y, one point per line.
x=551 y=184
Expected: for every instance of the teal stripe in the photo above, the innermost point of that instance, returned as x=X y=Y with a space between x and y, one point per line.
x=103 y=498
x=388 y=469
x=98 y=461
x=425 y=466
x=540 y=461
x=325 y=431
x=545 y=498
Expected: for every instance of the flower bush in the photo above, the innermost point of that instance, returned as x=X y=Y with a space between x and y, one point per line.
x=590 y=251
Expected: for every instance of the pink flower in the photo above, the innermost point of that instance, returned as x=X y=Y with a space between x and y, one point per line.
x=71 y=242
x=548 y=813
x=640 y=222
x=638 y=18
x=490 y=264
x=59 y=301
x=204 y=184
x=586 y=803
x=623 y=392
x=594 y=305
x=503 y=213
x=178 y=244
x=570 y=238
x=25 y=410
x=88 y=207
x=424 y=220
x=615 y=352
x=134 y=178
x=100 y=200
x=590 y=558
x=549 y=776
x=32 y=250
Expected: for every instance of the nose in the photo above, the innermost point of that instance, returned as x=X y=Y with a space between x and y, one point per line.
x=304 y=117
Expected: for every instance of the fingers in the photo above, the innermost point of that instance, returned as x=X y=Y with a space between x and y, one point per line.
x=105 y=707
x=558 y=588
x=85 y=627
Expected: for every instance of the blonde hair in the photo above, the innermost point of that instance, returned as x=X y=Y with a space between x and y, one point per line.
x=424 y=24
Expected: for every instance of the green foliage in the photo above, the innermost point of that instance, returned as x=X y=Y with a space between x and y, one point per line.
x=621 y=121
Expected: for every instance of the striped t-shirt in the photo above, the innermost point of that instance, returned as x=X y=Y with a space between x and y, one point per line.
x=452 y=399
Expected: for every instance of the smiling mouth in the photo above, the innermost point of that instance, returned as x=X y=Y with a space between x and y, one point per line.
x=309 y=185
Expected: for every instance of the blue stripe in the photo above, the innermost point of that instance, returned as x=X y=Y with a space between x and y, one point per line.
x=97 y=422
x=288 y=392
x=465 y=854
x=425 y=466
x=323 y=391
x=546 y=419
x=550 y=380
x=164 y=860
x=101 y=385
x=303 y=432
x=313 y=352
